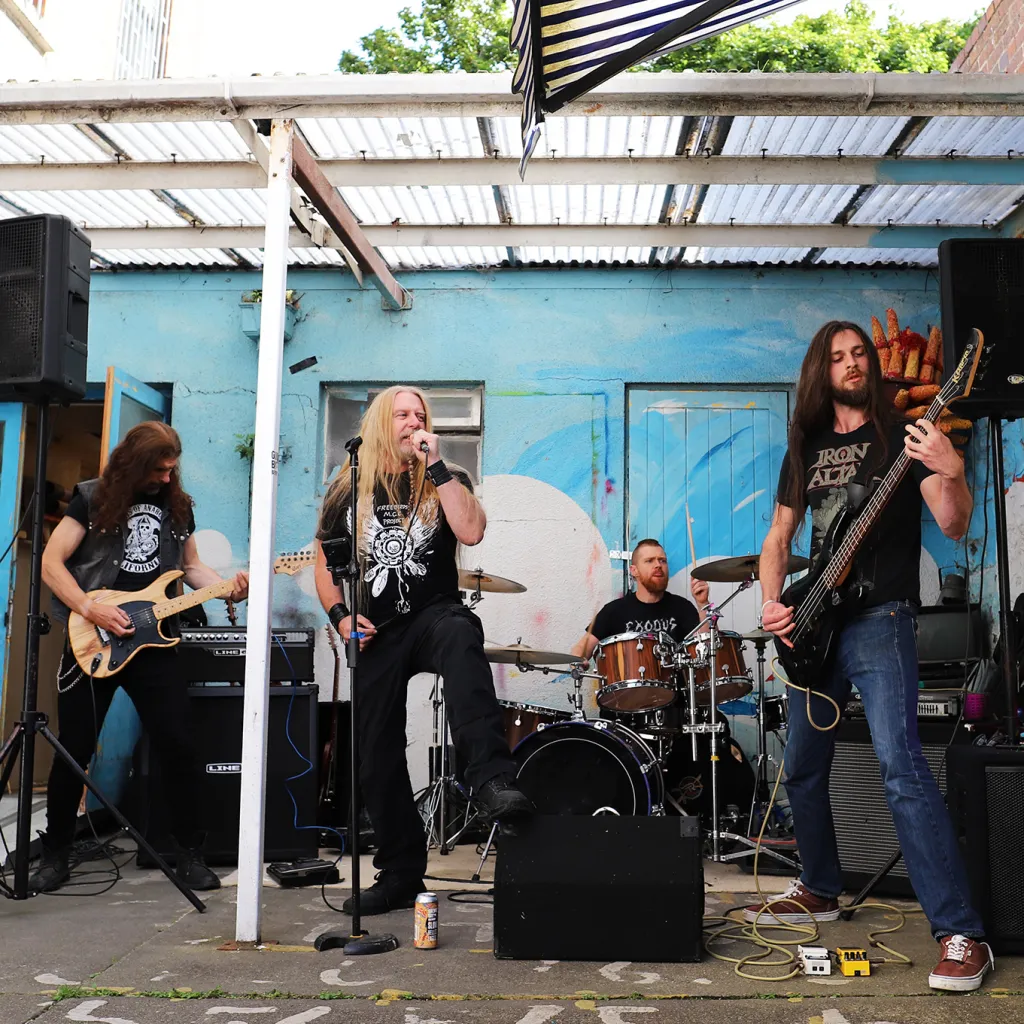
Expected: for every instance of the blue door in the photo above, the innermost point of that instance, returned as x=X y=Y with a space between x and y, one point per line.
x=11 y=437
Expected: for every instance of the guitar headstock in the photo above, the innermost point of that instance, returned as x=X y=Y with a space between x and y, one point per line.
x=293 y=561
x=961 y=380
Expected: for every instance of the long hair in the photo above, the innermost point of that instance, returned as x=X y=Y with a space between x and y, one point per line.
x=814 y=411
x=380 y=465
x=128 y=469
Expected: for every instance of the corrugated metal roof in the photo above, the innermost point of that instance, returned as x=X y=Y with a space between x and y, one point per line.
x=594 y=136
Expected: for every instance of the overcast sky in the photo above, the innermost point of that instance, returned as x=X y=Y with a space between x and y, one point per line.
x=332 y=26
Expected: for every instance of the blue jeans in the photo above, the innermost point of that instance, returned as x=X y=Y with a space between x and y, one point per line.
x=876 y=652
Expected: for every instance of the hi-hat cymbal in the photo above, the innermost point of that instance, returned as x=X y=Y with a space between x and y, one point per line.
x=758 y=634
x=477 y=579
x=736 y=570
x=509 y=654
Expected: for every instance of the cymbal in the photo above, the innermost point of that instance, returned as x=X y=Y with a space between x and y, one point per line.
x=736 y=570
x=509 y=654
x=473 y=579
x=758 y=634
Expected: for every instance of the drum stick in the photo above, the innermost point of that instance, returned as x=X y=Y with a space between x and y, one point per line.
x=689 y=531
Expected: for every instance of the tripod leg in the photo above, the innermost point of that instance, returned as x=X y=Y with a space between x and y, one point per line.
x=121 y=819
x=487 y=850
x=847 y=912
x=9 y=755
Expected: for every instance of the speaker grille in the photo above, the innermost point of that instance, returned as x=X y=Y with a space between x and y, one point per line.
x=21 y=290
x=1004 y=790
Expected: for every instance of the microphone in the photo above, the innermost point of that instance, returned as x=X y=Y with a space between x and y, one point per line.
x=424 y=447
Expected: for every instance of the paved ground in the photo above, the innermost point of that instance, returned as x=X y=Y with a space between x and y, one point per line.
x=139 y=954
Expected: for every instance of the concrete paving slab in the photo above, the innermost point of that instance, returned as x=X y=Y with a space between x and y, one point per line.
x=922 y=1010
x=19 y=1009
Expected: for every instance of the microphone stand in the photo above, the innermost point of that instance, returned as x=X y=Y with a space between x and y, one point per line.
x=355 y=940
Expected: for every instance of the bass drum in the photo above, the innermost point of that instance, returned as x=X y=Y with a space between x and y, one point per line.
x=589 y=768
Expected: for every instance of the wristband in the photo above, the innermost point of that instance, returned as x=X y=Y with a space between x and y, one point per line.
x=337 y=613
x=439 y=473
x=765 y=605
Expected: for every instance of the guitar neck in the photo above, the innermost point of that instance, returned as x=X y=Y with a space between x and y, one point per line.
x=180 y=604
x=862 y=525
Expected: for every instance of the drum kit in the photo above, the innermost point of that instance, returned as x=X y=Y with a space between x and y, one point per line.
x=650 y=692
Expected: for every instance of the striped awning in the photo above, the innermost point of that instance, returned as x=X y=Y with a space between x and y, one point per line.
x=567 y=47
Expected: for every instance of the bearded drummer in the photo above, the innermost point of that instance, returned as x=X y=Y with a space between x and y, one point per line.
x=650 y=608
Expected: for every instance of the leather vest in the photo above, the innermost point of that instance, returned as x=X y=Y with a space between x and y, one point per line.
x=96 y=562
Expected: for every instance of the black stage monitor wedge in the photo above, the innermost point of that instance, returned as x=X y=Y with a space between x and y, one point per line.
x=575 y=887
x=986 y=801
x=982 y=285
x=217 y=723
x=44 y=308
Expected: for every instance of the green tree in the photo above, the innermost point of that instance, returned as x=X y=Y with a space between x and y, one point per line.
x=472 y=35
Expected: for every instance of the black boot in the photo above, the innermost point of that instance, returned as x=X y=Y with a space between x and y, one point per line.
x=191 y=868
x=53 y=870
x=388 y=892
x=501 y=800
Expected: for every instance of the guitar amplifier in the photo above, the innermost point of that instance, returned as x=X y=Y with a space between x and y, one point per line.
x=216 y=654
x=865 y=833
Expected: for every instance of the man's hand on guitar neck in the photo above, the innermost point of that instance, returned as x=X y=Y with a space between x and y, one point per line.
x=108 y=617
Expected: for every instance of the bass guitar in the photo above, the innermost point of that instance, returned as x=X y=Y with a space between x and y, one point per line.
x=821 y=597
x=100 y=654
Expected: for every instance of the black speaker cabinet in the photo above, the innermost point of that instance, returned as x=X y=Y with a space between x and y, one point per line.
x=44 y=307
x=982 y=285
x=603 y=888
x=865 y=833
x=986 y=799
x=217 y=723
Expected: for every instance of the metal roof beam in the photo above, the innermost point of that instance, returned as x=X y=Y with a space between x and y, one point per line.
x=489 y=95
x=307 y=175
x=696 y=170
x=500 y=235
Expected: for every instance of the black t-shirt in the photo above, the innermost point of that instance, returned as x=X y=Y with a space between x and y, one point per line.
x=673 y=614
x=402 y=571
x=141 y=562
x=889 y=559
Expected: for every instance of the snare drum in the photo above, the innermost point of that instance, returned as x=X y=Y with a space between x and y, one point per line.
x=523 y=719
x=733 y=678
x=633 y=677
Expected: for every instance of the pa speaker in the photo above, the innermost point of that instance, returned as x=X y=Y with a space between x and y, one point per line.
x=217 y=725
x=576 y=887
x=982 y=285
x=865 y=832
x=986 y=800
x=44 y=308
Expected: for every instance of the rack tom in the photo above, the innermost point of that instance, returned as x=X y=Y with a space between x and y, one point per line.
x=523 y=719
x=732 y=677
x=633 y=677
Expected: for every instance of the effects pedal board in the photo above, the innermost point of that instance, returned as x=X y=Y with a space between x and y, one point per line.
x=303 y=872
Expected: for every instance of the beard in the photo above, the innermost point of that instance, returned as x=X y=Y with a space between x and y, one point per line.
x=656 y=584
x=855 y=395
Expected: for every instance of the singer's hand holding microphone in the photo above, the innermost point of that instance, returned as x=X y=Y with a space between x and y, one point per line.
x=425 y=446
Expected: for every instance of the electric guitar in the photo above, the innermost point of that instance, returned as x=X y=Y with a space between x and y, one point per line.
x=819 y=598
x=101 y=654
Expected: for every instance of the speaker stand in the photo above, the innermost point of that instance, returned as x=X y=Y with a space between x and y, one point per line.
x=33 y=722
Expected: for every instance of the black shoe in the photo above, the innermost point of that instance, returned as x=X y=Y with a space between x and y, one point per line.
x=53 y=871
x=501 y=800
x=387 y=893
x=191 y=869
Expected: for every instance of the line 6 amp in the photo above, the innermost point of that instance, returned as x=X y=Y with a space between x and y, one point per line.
x=986 y=800
x=575 y=887
x=865 y=833
x=217 y=726
x=216 y=654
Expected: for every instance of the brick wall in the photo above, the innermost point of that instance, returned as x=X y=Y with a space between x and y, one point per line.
x=997 y=42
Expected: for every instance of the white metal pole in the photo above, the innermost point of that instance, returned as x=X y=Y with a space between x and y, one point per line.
x=261 y=535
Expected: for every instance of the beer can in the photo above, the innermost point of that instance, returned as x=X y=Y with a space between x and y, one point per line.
x=425 y=921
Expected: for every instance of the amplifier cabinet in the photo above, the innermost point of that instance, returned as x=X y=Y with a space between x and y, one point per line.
x=217 y=724
x=986 y=799
x=576 y=887
x=865 y=833
x=216 y=654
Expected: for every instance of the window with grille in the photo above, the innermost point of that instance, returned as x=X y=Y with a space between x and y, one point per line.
x=457 y=417
x=142 y=38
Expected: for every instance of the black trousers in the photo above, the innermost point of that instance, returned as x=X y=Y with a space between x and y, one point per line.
x=152 y=681
x=445 y=638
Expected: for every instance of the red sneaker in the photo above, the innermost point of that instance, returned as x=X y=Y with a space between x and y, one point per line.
x=964 y=964
x=794 y=906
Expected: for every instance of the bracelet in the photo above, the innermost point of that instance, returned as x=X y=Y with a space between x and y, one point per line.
x=337 y=613
x=765 y=605
x=439 y=473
